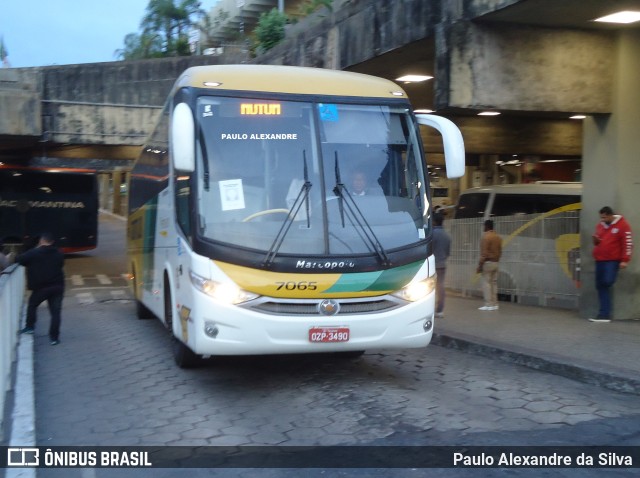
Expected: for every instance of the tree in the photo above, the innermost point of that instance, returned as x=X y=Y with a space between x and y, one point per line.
x=4 y=53
x=270 y=29
x=309 y=6
x=138 y=47
x=165 y=30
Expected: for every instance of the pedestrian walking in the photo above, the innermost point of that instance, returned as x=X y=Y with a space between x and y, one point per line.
x=45 y=279
x=441 y=251
x=490 y=252
x=613 y=246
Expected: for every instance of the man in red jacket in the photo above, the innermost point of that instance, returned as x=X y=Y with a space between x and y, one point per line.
x=613 y=248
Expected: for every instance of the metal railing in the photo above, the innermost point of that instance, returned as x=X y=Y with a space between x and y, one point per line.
x=12 y=282
x=540 y=263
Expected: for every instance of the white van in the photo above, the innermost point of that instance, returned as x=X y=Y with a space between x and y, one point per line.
x=540 y=229
x=516 y=199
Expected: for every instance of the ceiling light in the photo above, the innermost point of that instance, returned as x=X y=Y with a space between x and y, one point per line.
x=212 y=84
x=397 y=93
x=414 y=78
x=489 y=113
x=577 y=117
x=418 y=112
x=626 y=16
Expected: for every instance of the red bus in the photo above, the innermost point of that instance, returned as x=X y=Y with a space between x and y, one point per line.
x=62 y=202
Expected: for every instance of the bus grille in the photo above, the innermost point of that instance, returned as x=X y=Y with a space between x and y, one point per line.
x=306 y=308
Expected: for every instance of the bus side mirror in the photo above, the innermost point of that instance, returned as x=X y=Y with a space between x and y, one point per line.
x=183 y=139
x=452 y=141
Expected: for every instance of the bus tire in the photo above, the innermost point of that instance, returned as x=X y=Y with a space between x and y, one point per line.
x=183 y=356
x=142 y=312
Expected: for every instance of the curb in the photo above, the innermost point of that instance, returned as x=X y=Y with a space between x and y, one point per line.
x=23 y=416
x=557 y=367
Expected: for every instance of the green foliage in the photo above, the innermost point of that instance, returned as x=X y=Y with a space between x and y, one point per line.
x=270 y=29
x=138 y=47
x=4 y=53
x=165 y=30
x=309 y=6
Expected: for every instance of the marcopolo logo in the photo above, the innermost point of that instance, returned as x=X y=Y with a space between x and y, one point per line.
x=331 y=265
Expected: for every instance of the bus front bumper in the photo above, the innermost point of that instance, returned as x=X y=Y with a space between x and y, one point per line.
x=217 y=329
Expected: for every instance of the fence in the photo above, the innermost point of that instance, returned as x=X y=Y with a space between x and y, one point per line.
x=540 y=262
x=12 y=281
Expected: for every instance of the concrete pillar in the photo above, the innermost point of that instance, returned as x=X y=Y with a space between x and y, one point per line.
x=117 y=181
x=611 y=177
x=103 y=187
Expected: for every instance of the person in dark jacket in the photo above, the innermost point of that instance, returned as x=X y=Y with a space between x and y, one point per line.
x=45 y=279
x=441 y=252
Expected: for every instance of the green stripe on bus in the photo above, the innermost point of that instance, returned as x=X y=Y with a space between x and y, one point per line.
x=396 y=278
x=391 y=279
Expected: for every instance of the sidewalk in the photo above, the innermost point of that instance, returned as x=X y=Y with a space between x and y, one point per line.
x=552 y=340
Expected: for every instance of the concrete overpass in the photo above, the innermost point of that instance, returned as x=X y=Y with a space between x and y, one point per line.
x=537 y=62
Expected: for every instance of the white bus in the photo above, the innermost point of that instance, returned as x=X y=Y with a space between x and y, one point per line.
x=285 y=210
x=540 y=228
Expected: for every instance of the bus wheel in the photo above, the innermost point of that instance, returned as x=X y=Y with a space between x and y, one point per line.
x=142 y=312
x=183 y=355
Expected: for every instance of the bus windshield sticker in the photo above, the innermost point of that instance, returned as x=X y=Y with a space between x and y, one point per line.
x=328 y=112
x=231 y=194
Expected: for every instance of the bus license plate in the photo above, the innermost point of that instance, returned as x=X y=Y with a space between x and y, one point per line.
x=329 y=334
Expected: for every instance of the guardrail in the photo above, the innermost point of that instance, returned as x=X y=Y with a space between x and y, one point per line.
x=540 y=262
x=12 y=282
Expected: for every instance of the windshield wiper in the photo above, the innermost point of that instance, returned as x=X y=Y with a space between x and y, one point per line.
x=302 y=198
x=357 y=217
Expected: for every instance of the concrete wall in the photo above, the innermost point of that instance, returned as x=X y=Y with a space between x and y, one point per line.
x=611 y=177
x=510 y=67
x=113 y=103
x=512 y=135
x=524 y=68
x=108 y=103
x=19 y=103
x=359 y=31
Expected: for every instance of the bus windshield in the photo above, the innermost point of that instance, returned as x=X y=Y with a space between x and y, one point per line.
x=318 y=178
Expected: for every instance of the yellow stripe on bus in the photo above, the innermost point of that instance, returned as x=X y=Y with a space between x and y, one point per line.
x=296 y=285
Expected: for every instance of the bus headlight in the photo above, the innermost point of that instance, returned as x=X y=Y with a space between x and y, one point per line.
x=226 y=292
x=416 y=290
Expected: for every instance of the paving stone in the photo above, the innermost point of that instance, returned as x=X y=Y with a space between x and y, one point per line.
x=434 y=395
x=542 y=406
